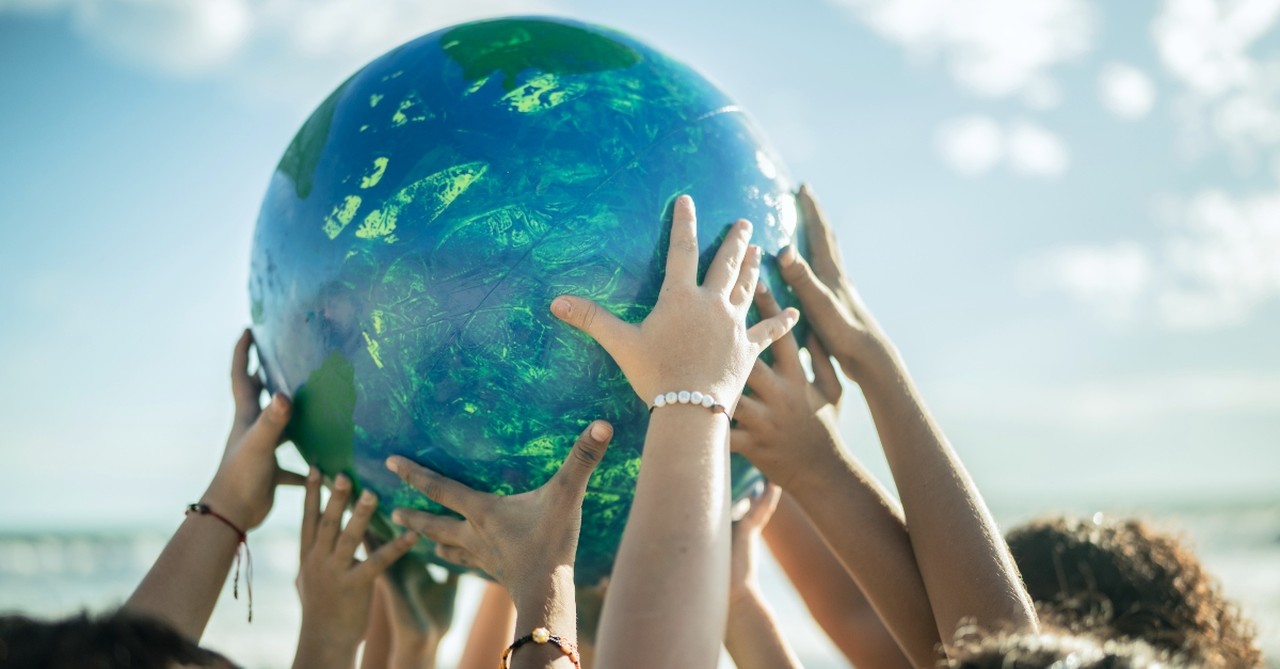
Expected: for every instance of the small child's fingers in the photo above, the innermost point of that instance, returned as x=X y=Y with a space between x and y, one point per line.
x=353 y=533
x=762 y=381
x=824 y=372
x=682 y=252
x=331 y=519
x=386 y=555
x=770 y=330
x=750 y=413
x=310 y=510
x=786 y=352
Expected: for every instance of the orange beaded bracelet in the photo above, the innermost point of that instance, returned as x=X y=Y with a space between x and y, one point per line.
x=541 y=635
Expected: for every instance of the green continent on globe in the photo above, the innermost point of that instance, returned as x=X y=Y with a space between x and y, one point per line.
x=424 y=217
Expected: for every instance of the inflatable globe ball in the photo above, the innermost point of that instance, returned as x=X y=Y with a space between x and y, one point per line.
x=424 y=217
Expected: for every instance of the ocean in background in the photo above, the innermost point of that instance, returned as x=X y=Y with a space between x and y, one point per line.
x=55 y=574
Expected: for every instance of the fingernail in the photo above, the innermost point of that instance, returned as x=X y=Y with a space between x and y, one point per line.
x=744 y=224
x=762 y=287
x=367 y=498
x=279 y=405
x=397 y=517
x=787 y=256
x=561 y=307
x=599 y=431
x=393 y=464
x=342 y=482
x=313 y=475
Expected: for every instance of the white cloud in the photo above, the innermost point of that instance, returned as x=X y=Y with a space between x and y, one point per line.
x=1034 y=151
x=1219 y=263
x=974 y=145
x=1231 y=97
x=1111 y=279
x=993 y=47
x=1126 y=91
x=971 y=145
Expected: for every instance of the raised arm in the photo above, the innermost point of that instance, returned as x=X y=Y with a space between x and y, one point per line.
x=787 y=428
x=833 y=598
x=182 y=587
x=668 y=595
x=752 y=636
x=492 y=629
x=962 y=558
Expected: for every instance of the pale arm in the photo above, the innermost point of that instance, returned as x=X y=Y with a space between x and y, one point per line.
x=834 y=599
x=493 y=628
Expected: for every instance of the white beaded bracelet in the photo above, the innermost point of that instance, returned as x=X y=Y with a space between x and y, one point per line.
x=687 y=397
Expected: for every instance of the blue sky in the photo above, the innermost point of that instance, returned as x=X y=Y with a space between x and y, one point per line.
x=1065 y=212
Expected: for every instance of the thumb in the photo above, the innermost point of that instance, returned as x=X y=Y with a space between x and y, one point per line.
x=586 y=454
x=265 y=432
x=820 y=305
x=589 y=317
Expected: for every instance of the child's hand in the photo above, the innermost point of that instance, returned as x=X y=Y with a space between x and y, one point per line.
x=420 y=610
x=243 y=489
x=519 y=540
x=695 y=338
x=831 y=304
x=788 y=423
x=335 y=588
x=743 y=580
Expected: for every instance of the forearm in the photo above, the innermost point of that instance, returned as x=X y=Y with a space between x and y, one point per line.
x=866 y=533
x=833 y=598
x=550 y=604
x=183 y=585
x=320 y=651
x=962 y=557
x=493 y=628
x=377 y=635
x=669 y=592
x=752 y=636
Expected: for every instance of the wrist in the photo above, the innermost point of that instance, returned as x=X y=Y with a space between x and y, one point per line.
x=228 y=506
x=321 y=647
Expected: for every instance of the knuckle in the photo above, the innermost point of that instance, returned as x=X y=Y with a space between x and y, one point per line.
x=687 y=246
x=589 y=315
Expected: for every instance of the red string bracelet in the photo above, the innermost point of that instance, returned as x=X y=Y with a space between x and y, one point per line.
x=202 y=509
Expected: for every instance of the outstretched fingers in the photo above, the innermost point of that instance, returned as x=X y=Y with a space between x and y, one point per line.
x=386 y=555
x=438 y=528
x=353 y=534
x=822 y=240
x=682 y=252
x=331 y=520
x=723 y=273
x=786 y=352
x=437 y=487
x=245 y=388
x=824 y=372
x=585 y=456
x=310 y=510
x=770 y=330
x=596 y=321
x=267 y=430
x=748 y=277
x=825 y=312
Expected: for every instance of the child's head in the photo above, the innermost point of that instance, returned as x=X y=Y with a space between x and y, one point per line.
x=112 y=641
x=1043 y=651
x=1121 y=579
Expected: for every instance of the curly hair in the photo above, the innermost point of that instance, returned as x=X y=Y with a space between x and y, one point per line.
x=1013 y=650
x=1122 y=579
x=115 y=640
